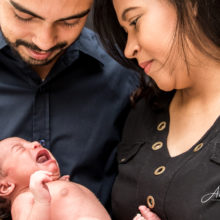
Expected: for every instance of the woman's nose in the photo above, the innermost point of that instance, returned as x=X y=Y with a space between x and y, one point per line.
x=132 y=48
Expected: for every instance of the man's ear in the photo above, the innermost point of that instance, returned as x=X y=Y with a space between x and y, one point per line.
x=6 y=188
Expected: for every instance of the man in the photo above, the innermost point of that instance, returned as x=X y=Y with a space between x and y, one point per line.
x=57 y=86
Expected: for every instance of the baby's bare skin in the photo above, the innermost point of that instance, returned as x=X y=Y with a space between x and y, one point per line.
x=146 y=214
x=57 y=199
x=32 y=184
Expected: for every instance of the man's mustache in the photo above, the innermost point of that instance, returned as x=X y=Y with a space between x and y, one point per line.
x=59 y=46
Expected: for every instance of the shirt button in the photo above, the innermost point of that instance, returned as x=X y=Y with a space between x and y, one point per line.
x=157 y=145
x=198 y=147
x=123 y=160
x=150 y=202
x=161 y=126
x=159 y=170
x=43 y=142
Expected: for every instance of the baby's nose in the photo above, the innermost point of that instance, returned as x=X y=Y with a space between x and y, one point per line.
x=35 y=145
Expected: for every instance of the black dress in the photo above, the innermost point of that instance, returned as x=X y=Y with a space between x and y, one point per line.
x=185 y=187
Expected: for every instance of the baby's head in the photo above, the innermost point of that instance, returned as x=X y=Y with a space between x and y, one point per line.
x=18 y=160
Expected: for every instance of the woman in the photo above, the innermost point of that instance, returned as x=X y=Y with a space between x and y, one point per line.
x=169 y=156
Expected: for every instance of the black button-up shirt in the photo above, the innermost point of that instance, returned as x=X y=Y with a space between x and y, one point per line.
x=182 y=187
x=77 y=112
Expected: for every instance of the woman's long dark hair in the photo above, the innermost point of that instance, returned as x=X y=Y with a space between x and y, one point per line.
x=206 y=21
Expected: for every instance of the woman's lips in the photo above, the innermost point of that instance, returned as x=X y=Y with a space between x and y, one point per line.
x=146 y=66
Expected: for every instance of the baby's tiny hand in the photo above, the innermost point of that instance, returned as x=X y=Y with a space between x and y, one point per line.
x=38 y=186
x=147 y=213
x=65 y=178
x=139 y=217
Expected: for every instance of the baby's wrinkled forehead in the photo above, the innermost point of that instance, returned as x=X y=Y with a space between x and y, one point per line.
x=7 y=143
x=12 y=140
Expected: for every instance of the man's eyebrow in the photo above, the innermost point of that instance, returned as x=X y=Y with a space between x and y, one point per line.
x=124 y=14
x=80 y=15
x=22 y=9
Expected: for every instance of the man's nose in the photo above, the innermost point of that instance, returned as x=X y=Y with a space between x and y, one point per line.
x=45 y=37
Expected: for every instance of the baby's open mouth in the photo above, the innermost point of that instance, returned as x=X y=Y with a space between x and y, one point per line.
x=42 y=156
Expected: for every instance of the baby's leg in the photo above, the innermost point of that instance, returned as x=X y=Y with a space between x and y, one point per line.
x=147 y=213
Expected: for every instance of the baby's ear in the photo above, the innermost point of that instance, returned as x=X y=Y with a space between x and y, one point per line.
x=6 y=188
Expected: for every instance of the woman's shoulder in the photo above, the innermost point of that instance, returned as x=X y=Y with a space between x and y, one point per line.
x=143 y=115
x=153 y=102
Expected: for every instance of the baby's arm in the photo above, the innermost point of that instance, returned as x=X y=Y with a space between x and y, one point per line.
x=146 y=214
x=35 y=203
x=41 y=194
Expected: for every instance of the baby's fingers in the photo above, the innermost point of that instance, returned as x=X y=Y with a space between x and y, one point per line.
x=65 y=177
x=148 y=214
x=139 y=217
x=39 y=178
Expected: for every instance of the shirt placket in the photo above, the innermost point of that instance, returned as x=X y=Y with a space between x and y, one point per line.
x=41 y=109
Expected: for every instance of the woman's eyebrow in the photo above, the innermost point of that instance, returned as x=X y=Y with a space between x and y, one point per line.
x=125 y=12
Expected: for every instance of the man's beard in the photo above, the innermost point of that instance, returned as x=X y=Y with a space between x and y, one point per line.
x=30 y=60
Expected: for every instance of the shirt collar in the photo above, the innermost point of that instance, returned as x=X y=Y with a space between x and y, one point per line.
x=2 y=41
x=88 y=43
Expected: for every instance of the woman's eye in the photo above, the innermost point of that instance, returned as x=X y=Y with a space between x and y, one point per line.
x=134 y=22
x=25 y=19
